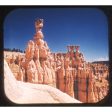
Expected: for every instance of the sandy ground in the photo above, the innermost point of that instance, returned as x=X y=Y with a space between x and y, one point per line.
x=25 y=93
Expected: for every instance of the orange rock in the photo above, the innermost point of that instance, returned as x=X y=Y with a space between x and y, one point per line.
x=29 y=50
x=69 y=72
x=32 y=75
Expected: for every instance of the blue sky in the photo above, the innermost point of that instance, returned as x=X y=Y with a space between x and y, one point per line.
x=87 y=27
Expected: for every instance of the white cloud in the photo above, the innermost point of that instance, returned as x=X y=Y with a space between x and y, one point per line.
x=97 y=59
x=101 y=59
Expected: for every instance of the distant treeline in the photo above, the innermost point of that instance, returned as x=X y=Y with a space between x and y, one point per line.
x=14 y=50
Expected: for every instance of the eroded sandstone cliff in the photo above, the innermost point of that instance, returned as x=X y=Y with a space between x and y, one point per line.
x=26 y=93
x=69 y=72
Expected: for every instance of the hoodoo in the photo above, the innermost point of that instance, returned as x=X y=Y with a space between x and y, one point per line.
x=68 y=72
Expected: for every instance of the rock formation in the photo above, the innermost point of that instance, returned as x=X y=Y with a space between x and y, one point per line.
x=37 y=59
x=27 y=93
x=69 y=72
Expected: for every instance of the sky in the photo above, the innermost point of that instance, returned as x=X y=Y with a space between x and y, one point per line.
x=87 y=27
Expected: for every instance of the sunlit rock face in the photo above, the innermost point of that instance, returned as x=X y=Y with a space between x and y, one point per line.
x=38 y=59
x=28 y=93
x=69 y=72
